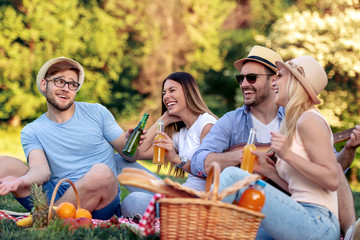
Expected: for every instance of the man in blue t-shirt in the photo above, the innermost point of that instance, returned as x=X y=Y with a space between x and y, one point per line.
x=72 y=140
x=257 y=73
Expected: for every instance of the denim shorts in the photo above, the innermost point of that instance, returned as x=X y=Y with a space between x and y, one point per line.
x=107 y=212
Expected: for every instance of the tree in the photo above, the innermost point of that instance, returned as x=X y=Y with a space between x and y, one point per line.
x=181 y=35
x=36 y=31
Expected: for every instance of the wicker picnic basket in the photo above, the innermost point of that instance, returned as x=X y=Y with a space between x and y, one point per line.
x=207 y=217
x=54 y=195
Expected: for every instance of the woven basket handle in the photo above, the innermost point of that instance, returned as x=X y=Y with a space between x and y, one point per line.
x=238 y=185
x=54 y=194
x=213 y=179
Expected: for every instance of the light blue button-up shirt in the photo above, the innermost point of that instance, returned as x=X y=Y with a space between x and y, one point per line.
x=232 y=128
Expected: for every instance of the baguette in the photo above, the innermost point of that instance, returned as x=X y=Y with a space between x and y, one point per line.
x=139 y=172
x=156 y=186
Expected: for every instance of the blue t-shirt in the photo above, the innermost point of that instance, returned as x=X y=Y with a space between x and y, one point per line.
x=73 y=147
x=232 y=128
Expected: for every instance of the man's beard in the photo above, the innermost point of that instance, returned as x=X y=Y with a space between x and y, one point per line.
x=52 y=102
x=260 y=97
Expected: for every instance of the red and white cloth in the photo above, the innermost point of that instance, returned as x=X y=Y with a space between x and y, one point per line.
x=148 y=224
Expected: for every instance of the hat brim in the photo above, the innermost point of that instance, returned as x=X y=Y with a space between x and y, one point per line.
x=239 y=63
x=41 y=74
x=305 y=83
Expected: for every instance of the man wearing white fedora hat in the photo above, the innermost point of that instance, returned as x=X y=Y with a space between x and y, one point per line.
x=73 y=140
x=257 y=74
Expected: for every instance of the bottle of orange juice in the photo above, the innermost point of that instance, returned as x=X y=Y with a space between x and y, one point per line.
x=159 y=153
x=248 y=159
x=254 y=197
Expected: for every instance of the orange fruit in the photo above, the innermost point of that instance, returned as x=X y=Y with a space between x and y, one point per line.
x=66 y=210
x=82 y=212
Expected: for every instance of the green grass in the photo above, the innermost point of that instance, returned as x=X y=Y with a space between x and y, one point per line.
x=56 y=231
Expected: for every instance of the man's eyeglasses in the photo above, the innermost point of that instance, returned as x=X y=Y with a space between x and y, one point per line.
x=59 y=82
x=251 y=77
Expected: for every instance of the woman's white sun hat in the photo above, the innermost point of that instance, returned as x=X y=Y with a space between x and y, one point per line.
x=309 y=73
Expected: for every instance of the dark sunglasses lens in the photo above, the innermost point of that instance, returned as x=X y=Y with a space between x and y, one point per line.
x=240 y=78
x=251 y=78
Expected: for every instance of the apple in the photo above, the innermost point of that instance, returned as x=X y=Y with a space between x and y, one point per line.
x=104 y=224
x=84 y=222
x=72 y=223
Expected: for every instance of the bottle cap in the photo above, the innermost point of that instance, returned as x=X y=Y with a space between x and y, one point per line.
x=261 y=183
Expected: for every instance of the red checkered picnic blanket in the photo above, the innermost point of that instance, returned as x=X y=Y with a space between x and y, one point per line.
x=149 y=223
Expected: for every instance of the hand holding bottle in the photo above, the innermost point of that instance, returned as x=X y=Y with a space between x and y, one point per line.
x=142 y=136
x=248 y=159
x=264 y=165
x=134 y=139
x=166 y=143
x=159 y=152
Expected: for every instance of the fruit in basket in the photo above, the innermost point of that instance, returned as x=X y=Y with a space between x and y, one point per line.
x=84 y=222
x=25 y=222
x=40 y=209
x=66 y=210
x=104 y=224
x=82 y=212
x=72 y=223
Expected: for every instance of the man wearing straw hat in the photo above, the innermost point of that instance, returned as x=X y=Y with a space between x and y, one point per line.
x=73 y=140
x=258 y=72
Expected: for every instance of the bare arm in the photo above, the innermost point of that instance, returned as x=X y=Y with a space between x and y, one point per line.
x=38 y=172
x=322 y=167
x=347 y=154
x=119 y=144
x=265 y=166
x=187 y=166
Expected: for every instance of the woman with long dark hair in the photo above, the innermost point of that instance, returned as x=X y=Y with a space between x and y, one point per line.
x=187 y=120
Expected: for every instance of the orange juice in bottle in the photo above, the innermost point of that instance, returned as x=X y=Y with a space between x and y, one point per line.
x=248 y=159
x=159 y=153
x=254 y=197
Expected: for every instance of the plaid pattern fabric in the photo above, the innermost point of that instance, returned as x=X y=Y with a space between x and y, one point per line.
x=148 y=224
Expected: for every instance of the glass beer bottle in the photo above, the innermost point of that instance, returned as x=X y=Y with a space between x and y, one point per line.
x=134 y=139
x=248 y=159
x=254 y=197
x=159 y=153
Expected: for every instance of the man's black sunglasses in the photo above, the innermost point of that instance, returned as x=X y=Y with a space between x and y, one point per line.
x=251 y=77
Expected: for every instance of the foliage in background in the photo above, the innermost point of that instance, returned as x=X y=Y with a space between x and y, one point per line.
x=35 y=31
x=181 y=35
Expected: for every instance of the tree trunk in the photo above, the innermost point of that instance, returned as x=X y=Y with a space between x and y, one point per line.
x=353 y=175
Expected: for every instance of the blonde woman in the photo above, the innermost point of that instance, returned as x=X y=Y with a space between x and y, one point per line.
x=306 y=166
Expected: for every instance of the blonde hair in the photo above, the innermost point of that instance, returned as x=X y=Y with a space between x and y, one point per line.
x=193 y=100
x=298 y=102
